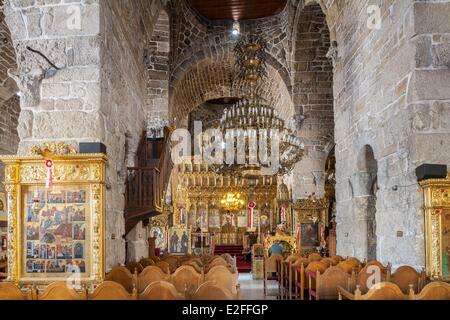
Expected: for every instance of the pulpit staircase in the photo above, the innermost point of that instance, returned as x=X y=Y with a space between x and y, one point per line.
x=146 y=183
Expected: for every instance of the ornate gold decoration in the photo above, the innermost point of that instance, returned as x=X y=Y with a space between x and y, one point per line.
x=70 y=170
x=55 y=148
x=270 y=241
x=436 y=201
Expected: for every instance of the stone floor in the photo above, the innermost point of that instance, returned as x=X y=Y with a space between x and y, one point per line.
x=254 y=289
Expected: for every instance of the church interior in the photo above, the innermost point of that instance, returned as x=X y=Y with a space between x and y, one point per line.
x=225 y=150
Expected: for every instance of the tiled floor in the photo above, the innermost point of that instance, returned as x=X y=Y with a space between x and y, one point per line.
x=254 y=289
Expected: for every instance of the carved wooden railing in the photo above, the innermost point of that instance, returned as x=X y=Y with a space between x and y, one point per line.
x=146 y=184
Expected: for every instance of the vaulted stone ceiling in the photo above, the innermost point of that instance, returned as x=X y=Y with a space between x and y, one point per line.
x=237 y=9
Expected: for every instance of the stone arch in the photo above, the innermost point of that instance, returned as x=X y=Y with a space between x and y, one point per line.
x=213 y=79
x=196 y=38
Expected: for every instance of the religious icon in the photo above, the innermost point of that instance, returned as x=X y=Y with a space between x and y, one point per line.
x=310 y=235
x=179 y=241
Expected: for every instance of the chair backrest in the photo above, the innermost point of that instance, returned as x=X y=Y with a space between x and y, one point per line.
x=270 y=263
x=228 y=258
x=327 y=283
x=134 y=266
x=173 y=263
x=160 y=290
x=301 y=261
x=223 y=278
x=218 y=262
x=314 y=257
x=186 y=278
x=313 y=267
x=369 y=276
x=436 y=290
x=346 y=266
x=293 y=257
x=405 y=276
x=155 y=259
x=378 y=264
x=9 y=291
x=164 y=266
x=210 y=291
x=60 y=291
x=355 y=262
x=382 y=291
x=110 y=290
x=326 y=262
x=123 y=276
x=146 y=262
x=193 y=264
x=149 y=275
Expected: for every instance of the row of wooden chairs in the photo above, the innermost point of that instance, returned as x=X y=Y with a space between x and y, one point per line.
x=108 y=290
x=390 y=291
x=320 y=277
x=185 y=278
x=169 y=264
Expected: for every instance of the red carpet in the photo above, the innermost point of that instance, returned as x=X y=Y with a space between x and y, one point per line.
x=235 y=251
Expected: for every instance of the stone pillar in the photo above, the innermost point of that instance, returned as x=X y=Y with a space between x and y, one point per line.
x=82 y=78
x=137 y=243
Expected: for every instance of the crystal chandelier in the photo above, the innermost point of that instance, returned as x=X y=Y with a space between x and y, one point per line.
x=254 y=117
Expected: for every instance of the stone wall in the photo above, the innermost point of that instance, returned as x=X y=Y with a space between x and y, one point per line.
x=313 y=100
x=391 y=93
x=157 y=65
x=98 y=95
x=9 y=101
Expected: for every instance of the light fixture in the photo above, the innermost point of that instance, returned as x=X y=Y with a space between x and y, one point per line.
x=232 y=201
x=252 y=114
x=236 y=28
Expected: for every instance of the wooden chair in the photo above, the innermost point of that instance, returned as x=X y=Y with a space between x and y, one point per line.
x=333 y=262
x=160 y=290
x=10 y=292
x=433 y=291
x=173 y=263
x=314 y=257
x=185 y=278
x=146 y=263
x=298 y=269
x=223 y=278
x=218 y=262
x=164 y=266
x=367 y=273
x=270 y=267
x=380 y=291
x=312 y=267
x=193 y=265
x=327 y=283
x=60 y=291
x=134 y=266
x=405 y=276
x=149 y=275
x=210 y=291
x=155 y=259
x=110 y=290
x=124 y=277
x=346 y=266
x=287 y=279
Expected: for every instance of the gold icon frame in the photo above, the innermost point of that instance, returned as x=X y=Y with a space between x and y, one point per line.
x=71 y=170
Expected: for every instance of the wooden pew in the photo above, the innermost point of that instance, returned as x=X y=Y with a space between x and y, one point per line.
x=124 y=277
x=185 y=278
x=380 y=291
x=149 y=275
x=433 y=291
x=59 y=291
x=405 y=276
x=9 y=291
x=271 y=266
x=210 y=291
x=110 y=290
x=326 y=284
x=161 y=290
x=222 y=277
